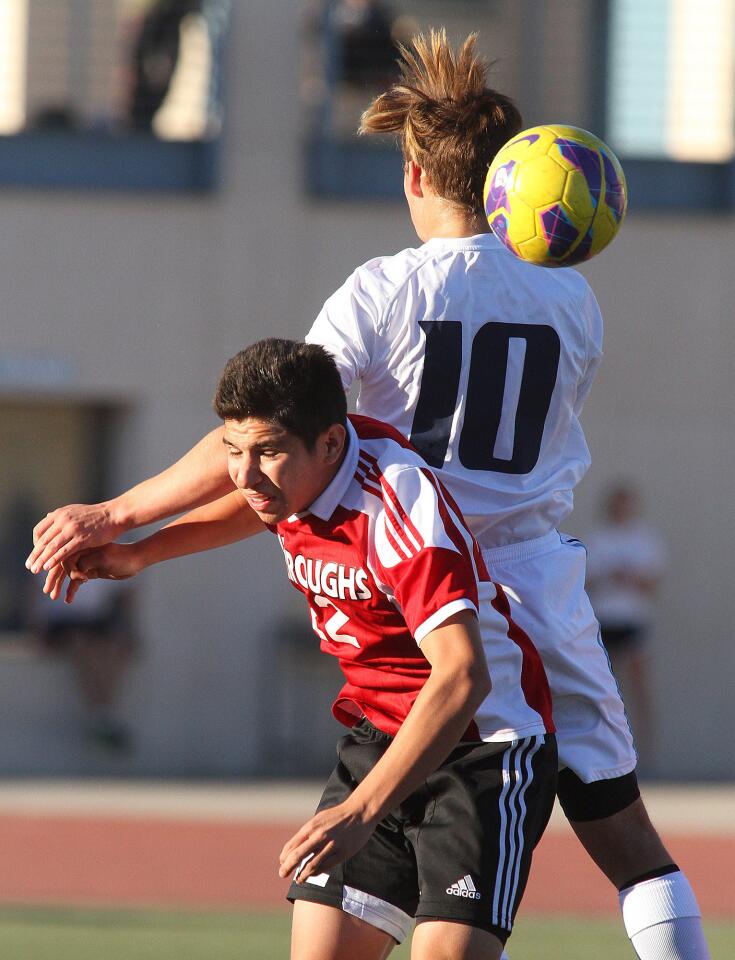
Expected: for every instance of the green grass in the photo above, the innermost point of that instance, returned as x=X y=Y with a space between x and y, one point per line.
x=75 y=934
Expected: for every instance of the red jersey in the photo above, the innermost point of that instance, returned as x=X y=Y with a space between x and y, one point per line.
x=383 y=557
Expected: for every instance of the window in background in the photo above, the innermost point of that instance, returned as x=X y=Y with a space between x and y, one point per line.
x=349 y=57
x=656 y=78
x=671 y=79
x=103 y=92
x=53 y=452
x=13 y=46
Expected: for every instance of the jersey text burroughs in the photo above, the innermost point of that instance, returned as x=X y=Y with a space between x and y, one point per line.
x=329 y=579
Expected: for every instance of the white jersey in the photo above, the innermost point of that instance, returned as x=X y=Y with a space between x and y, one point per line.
x=483 y=362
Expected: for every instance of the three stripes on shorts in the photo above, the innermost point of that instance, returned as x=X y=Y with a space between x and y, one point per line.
x=517 y=777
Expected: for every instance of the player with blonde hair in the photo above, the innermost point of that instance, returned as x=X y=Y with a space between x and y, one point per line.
x=484 y=362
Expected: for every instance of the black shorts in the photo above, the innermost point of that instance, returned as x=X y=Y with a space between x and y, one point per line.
x=458 y=848
x=596 y=800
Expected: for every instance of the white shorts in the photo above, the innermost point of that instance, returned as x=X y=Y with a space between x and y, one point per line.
x=544 y=580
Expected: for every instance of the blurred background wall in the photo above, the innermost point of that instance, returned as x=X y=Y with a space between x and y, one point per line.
x=137 y=253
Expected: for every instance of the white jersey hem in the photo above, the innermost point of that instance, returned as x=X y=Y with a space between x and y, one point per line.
x=522 y=550
x=508 y=735
x=593 y=776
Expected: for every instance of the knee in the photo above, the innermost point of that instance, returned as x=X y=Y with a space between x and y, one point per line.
x=444 y=940
x=625 y=846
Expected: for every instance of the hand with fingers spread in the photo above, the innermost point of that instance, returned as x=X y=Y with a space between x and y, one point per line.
x=68 y=530
x=56 y=577
x=114 y=561
x=330 y=837
x=215 y=524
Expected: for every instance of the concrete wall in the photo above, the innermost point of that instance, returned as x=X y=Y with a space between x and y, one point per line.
x=663 y=411
x=144 y=297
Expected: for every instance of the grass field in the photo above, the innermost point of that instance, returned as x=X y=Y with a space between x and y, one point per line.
x=76 y=934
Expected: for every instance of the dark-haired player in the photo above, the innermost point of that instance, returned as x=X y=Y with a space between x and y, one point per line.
x=447 y=777
x=484 y=362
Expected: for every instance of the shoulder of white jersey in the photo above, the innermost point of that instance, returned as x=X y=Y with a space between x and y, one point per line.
x=566 y=280
x=390 y=273
x=576 y=288
x=363 y=298
x=561 y=278
x=409 y=266
x=384 y=277
x=393 y=268
x=569 y=289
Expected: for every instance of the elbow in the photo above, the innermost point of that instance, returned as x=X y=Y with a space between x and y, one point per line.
x=476 y=685
x=482 y=685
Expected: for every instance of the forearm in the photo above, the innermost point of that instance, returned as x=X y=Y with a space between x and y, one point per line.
x=439 y=717
x=213 y=525
x=199 y=477
x=441 y=713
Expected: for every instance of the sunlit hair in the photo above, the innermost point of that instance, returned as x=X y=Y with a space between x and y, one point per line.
x=294 y=384
x=447 y=119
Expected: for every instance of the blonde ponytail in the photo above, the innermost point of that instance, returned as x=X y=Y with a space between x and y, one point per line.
x=446 y=117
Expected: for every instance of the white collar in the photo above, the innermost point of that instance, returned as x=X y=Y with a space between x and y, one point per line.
x=481 y=241
x=328 y=500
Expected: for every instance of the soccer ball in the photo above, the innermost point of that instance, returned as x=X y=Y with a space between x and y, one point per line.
x=555 y=195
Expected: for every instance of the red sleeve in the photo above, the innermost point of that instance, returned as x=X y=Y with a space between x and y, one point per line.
x=430 y=587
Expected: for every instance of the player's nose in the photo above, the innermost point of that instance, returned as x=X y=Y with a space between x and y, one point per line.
x=247 y=473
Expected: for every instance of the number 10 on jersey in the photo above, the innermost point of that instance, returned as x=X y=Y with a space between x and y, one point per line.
x=513 y=368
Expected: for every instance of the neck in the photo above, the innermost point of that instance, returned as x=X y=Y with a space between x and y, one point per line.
x=450 y=223
x=458 y=232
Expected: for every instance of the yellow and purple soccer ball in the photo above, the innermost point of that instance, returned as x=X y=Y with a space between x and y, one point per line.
x=555 y=195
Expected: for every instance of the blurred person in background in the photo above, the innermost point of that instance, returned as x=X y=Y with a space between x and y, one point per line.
x=154 y=57
x=95 y=636
x=430 y=334
x=626 y=559
x=365 y=48
x=355 y=54
x=174 y=34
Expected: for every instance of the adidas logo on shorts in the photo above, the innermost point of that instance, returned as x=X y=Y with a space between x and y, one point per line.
x=464 y=888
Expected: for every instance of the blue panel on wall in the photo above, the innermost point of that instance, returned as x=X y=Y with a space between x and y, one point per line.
x=666 y=185
x=105 y=162
x=353 y=170
x=356 y=172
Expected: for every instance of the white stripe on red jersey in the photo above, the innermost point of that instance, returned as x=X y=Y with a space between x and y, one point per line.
x=384 y=557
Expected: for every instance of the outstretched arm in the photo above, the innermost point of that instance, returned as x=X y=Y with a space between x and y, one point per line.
x=199 y=477
x=213 y=525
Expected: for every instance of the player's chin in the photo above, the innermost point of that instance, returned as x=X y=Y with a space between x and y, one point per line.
x=270 y=512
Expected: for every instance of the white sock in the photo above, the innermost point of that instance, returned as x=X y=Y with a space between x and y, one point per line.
x=663 y=919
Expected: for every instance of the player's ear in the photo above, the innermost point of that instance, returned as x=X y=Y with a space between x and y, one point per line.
x=333 y=440
x=412 y=176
